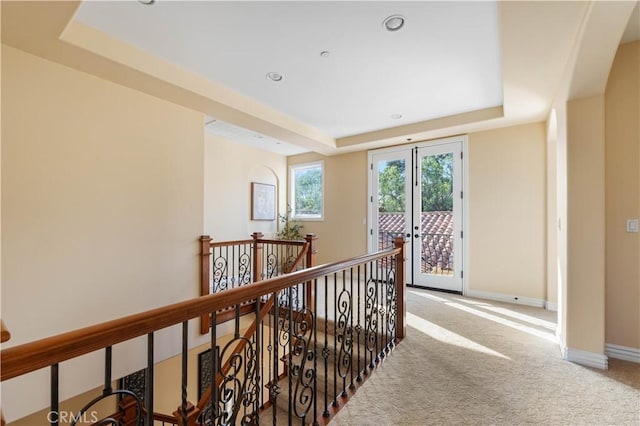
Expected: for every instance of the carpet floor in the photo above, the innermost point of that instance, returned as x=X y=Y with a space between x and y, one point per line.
x=475 y=362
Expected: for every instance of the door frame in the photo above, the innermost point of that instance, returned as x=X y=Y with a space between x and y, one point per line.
x=464 y=140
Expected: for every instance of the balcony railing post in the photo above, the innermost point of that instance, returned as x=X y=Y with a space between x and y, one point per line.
x=205 y=278
x=401 y=311
x=257 y=256
x=312 y=251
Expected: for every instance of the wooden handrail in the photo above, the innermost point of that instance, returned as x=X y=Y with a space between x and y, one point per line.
x=32 y=356
x=4 y=332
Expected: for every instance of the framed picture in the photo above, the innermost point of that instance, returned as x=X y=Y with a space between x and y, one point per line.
x=263 y=201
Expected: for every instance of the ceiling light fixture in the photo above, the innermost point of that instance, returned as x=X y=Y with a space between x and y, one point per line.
x=274 y=76
x=147 y=2
x=393 y=22
x=396 y=116
x=324 y=53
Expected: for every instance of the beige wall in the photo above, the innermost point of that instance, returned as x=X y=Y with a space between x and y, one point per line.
x=343 y=232
x=102 y=190
x=507 y=211
x=229 y=169
x=585 y=224
x=622 y=174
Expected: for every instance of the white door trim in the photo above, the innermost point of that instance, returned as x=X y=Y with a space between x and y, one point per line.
x=465 y=200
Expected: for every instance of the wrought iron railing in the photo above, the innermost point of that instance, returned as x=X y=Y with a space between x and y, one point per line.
x=437 y=254
x=231 y=264
x=299 y=361
x=437 y=251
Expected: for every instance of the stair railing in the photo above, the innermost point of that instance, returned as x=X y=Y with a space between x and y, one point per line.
x=231 y=264
x=354 y=322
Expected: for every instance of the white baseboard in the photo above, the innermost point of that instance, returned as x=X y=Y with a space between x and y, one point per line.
x=551 y=306
x=588 y=359
x=622 y=352
x=501 y=297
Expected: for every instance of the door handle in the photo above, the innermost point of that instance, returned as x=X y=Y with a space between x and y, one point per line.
x=417 y=235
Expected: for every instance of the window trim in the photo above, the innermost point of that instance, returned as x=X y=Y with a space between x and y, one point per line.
x=292 y=169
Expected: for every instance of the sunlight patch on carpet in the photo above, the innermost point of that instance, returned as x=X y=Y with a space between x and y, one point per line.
x=547 y=335
x=445 y=336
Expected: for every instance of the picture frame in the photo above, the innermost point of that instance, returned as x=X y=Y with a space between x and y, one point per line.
x=263 y=201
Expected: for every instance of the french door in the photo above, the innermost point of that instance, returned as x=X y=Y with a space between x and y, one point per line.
x=416 y=192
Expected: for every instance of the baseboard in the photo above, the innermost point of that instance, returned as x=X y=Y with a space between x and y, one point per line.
x=551 y=306
x=501 y=297
x=622 y=352
x=588 y=359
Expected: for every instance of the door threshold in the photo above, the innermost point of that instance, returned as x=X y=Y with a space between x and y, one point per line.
x=441 y=290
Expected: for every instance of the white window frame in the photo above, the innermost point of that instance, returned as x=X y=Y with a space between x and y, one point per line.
x=292 y=188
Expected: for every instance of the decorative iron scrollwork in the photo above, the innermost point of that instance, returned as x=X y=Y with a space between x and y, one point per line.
x=344 y=333
x=239 y=388
x=302 y=367
x=371 y=314
x=220 y=274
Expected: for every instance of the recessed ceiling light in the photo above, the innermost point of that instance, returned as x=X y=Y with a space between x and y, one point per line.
x=396 y=116
x=393 y=22
x=146 y=1
x=409 y=139
x=324 y=53
x=274 y=76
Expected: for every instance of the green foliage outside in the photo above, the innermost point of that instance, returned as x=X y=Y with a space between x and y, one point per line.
x=291 y=229
x=308 y=191
x=437 y=184
x=391 y=194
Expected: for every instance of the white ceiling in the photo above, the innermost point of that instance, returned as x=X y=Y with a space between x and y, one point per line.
x=454 y=67
x=369 y=75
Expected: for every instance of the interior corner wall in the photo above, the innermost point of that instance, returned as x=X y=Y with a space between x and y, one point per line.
x=622 y=173
x=229 y=169
x=102 y=201
x=552 y=211
x=585 y=224
x=507 y=212
x=343 y=232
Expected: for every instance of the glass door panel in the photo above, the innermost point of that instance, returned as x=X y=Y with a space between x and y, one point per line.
x=437 y=217
x=390 y=199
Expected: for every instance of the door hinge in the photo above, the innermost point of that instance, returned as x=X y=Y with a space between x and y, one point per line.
x=461 y=234
x=371 y=166
x=371 y=231
x=461 y=274
x=461 y=155
x=461 y=195
x=371 y=199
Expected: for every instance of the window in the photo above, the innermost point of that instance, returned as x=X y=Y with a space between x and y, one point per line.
x=306 y=186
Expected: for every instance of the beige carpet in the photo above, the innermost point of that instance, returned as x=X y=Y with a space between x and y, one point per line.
x=473 y=362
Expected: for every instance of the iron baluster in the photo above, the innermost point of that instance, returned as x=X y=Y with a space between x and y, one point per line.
x=275 y=388
x=185 y=353
x=290 y=356
x=213 y=347
x=149 y=379
x=325 y=349
x=55 y=408
x=315 y=352
x=351 y=384
x=335 y=341
x=358 y=327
